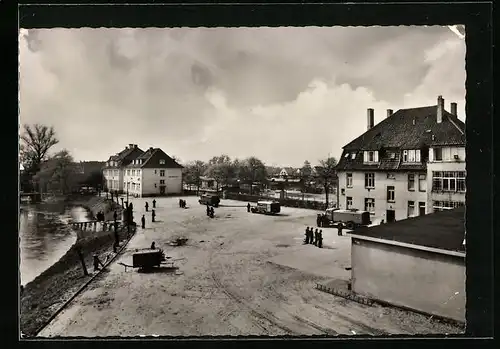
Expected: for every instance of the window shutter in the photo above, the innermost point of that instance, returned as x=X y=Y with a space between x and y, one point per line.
x=376 y=156
x=365 y=156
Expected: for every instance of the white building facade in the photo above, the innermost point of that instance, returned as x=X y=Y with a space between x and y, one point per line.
x=114 y=170
x=410 y=164
x=153 y=173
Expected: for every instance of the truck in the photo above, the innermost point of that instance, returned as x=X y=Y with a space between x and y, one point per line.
x=210 y=199
x=266 y=207
x=351 y=218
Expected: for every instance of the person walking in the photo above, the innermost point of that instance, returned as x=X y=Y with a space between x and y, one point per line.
x=315 y=238
x=147 y=206
x=154 y=203
x=153 y=215
x=339 y=228
x=97 y=263
x=318 y=220
x=320 y=239
x=180 y=203
x=248 y=209
x=153 y=247
x=208 y=210
x=212 y=212
x=143 y=222
x=115 y=216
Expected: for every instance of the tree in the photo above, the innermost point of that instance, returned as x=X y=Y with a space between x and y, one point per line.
x=58 y=173
x=35 y=141
x=253 y=170
x=326 y=174
x=305 y=176
x=95 y=180
x=220 y=168
x=193 y=173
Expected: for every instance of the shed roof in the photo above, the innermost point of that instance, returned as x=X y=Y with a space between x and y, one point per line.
x=442 y=230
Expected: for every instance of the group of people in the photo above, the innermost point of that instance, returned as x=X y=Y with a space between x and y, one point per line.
x=314 y=237
x=147 y=205
x=182 y=203
x=210 y=211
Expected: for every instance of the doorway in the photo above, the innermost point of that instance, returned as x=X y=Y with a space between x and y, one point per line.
x=421 y=208
x=162 y=190
x=390 y=215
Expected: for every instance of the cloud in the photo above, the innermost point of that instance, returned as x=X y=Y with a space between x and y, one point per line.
x=283 y=94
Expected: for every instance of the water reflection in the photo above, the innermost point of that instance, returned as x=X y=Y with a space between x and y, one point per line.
x=44 y=236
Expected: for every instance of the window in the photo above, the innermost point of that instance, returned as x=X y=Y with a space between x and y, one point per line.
x=411 y=208
x=405 y=155
x=133 y=172
x=162 y=173
x=438 y=154
x=391 y=193
x=448 y=181
x=411 y=182
x=422 y=182
x=155 y=185
x=370 y=156
x=162 y=181
x=138 y=172
x=155 y=172
x=370 y=205
x=133 y=186
x=421 y=208
x=116 y=172
x=162 y=161
x=411 y=155
x=128 y=172
x=138 y=187
x=128 y=185
x=417 y=155
x=348 y=180
x=346 y=155
x=392 y=155
x=446 y=205
x=348 y=202
x=370 y=180
x=353 y=156
x=391 y=176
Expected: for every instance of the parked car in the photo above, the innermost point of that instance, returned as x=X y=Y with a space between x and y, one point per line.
x=210 y=199
x=266 y=207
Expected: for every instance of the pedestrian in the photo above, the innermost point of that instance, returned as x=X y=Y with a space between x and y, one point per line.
x=320 y=239
x=115 y=247
x=147 y=206
x=318 y=220
x=97 y=263
x=212 y=212
x=153 y=215
x=153 y=247
x=115 y=216
x=183 y=203
x=143 y=222
x=154 y=203
x=306 y=240
x=316 y=237
x=248 y=210
x=208 y=210
x=339 y=228
x=180 y=203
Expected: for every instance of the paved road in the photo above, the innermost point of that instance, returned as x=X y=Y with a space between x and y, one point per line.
x=239 y=274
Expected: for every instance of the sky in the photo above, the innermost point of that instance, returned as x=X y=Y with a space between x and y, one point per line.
x=284 y=95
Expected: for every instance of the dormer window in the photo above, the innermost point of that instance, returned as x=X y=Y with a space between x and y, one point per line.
x=346 y=155
x=370 y=156
x=162 y=161
x=353 y=156
x=411 y=155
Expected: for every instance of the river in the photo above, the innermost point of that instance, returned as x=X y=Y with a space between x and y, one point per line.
x=44 y=236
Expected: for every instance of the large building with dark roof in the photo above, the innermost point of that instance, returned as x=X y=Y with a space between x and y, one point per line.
x=409 y=164
x=153 y=173
x=113 y=170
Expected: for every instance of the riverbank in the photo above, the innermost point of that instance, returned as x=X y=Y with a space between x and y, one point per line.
x=43 y=296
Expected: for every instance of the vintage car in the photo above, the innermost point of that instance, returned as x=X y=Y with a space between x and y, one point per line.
x=210 y=199
x=266 y=207
x=351 y=219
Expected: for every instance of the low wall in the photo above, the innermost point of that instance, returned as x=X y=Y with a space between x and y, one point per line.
x=421 y=280
x=313 y=205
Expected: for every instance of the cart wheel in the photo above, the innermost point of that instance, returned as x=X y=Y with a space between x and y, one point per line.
x=350 y=225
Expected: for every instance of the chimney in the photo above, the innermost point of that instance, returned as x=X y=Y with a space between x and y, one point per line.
x=370 y=121
x=135 y=145
x=151 y=149
x=453 y=108
x=389 y=112
x=440 y=109
x=130 y=146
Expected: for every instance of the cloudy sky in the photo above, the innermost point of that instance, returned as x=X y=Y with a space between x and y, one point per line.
x=284 y=95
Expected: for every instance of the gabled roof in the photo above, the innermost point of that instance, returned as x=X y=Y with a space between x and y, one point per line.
x=124 y=157
x=151 y=159
x=400 y=131
x=442 y=230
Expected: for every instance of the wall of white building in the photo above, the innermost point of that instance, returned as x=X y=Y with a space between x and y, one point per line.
x=133 y=176
x=398 y=180
x=151 y=181
x=448 y=163
x=114 y=179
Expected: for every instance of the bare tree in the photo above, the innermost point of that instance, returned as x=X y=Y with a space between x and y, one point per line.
x=327 y=175
x=193 y=172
